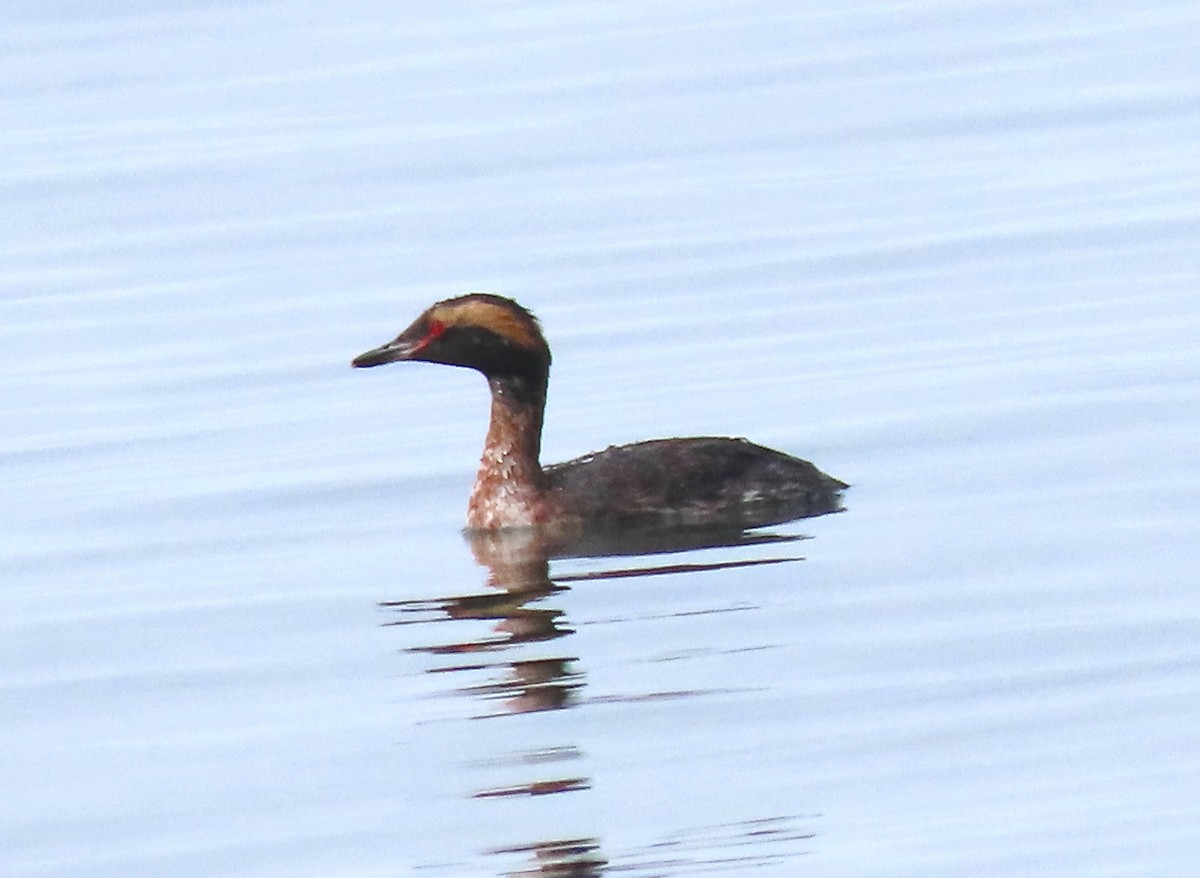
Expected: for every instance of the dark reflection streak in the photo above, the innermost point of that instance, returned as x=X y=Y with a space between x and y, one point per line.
x=524 y=629
x=615 y=541
x=472 y=605
x=752 y=844
x=773 y=840
x=532 y=686
x=684 y=614
x=483 y=666
x=668 y=569
x=562 y=858
x=536 y=788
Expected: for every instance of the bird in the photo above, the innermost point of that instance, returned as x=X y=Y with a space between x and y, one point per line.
x=672 y=482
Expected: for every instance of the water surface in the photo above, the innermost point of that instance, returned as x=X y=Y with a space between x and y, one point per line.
x=946 y=251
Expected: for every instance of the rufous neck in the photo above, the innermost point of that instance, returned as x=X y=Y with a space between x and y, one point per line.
x=514 y=437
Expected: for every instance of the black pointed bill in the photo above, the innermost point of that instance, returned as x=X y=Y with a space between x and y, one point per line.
x=400 y=349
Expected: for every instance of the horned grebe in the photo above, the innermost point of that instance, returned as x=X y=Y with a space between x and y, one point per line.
x=684 y=481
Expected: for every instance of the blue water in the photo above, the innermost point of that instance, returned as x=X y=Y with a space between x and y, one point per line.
x=946 y=251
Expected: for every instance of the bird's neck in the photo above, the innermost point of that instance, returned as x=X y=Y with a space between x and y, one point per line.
x=509 y=488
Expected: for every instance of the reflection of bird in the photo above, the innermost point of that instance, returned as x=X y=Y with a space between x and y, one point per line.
x=677 y=481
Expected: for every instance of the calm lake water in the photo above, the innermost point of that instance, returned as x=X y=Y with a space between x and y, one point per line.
x=948 y=251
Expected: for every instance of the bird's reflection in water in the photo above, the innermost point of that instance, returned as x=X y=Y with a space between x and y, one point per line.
x=519 y=610
x=721 y=848
x=515 y=607
x=563 y=858
x=518 y=565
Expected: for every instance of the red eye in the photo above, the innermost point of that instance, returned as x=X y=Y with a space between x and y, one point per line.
x=436 y=328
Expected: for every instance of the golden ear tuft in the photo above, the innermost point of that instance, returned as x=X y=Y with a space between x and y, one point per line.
x=496 y=314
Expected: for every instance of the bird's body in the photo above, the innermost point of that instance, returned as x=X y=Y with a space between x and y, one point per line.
x=679 y=481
